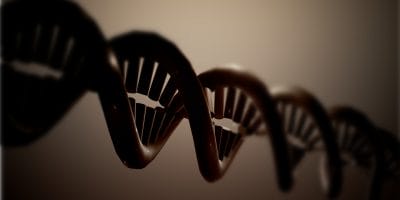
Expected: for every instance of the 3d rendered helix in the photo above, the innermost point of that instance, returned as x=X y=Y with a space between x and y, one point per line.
x=223 y=105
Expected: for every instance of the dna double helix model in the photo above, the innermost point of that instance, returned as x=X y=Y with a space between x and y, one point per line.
x=53 y=52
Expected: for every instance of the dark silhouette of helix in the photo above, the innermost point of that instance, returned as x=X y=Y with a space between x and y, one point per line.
x=223 y=105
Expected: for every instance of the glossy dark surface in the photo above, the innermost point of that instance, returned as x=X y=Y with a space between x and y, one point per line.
x=60 y=36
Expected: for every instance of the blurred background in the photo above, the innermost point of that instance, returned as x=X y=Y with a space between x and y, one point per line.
x=344 y=52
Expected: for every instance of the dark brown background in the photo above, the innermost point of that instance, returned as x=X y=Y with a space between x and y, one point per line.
x=345 y=52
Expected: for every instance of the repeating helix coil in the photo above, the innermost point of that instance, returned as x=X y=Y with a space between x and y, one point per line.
x=54 y=52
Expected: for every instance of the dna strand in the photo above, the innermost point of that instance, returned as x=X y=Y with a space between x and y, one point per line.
x=57 y=42
x=146 y=86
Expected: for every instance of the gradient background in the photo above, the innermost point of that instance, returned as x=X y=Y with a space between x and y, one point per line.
x=344 y=52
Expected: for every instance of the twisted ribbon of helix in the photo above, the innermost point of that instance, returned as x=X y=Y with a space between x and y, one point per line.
x=54 y=52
